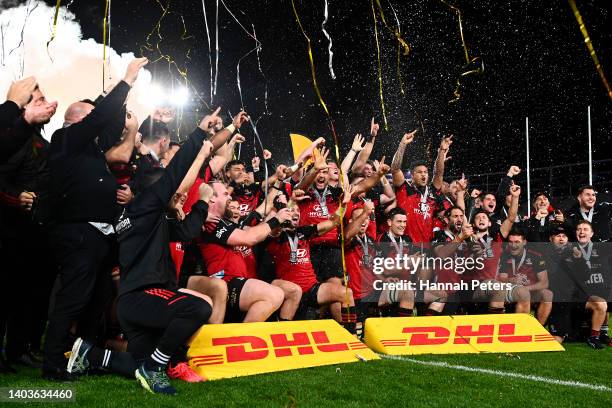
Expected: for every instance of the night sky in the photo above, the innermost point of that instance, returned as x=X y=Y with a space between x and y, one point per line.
x=536 y=65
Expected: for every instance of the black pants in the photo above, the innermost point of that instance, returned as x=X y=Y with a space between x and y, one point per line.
x=30 y=266
x=160 y=318
x=85 y=257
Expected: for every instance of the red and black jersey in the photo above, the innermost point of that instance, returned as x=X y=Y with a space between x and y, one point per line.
x=372 y=196
x=295 y=267
x=359 y=257
x=444 y=204
x=124 y=172
x=393 y=246
x=492 y=243
x=525 y=267
x=390 y=246
x=314 y=211
x=249 y=197
x=221 y=260
x=194 y=191
x=420 y=207
x=448 y=275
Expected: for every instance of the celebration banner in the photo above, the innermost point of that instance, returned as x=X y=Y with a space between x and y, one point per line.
x=233 y=350
x=502 y=333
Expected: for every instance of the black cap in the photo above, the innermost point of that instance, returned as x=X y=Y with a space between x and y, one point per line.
x=542 y=193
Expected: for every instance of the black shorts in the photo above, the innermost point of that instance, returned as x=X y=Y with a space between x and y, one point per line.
x=233 y=314
x=309 y=299
x=326 y=261
x=371 y=298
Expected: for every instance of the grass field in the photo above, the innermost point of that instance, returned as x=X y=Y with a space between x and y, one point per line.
x=577 y=377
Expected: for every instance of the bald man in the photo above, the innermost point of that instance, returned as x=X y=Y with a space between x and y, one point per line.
x=84 y=193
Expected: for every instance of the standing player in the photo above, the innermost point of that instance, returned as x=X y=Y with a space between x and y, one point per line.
x=417 y=197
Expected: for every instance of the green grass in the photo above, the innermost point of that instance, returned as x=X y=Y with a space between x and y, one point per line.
x=385 y=383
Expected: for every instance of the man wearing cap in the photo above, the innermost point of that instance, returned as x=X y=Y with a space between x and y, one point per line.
x=543 y=218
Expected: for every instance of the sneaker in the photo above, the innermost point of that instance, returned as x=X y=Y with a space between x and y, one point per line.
x=605 y=339
x=78 y=363
x=595 y=343
x=154 y=381
x=182 y=371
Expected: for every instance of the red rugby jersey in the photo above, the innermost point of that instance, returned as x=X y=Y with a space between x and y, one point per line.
x=526 y=266
x=359 y=267
x=221 y=260
x=194 y=194
x=298 y=270
x=312 y=212
x=420 y=210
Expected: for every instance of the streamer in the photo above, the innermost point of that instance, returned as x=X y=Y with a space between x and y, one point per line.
x=329 y=48
x=380 y=84
x=587 y=41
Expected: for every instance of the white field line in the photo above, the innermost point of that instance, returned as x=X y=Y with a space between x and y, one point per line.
x=554 y=381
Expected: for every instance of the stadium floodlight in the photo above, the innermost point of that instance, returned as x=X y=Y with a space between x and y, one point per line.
x=179 y=96
x=155 y=95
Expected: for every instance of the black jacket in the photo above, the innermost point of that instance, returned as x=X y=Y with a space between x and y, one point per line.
x=144 y=231
x=82 y=186
x=13 y=130
x=600 y=221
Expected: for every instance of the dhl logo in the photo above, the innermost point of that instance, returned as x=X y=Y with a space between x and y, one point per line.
x=481 y=334
x=250 y=348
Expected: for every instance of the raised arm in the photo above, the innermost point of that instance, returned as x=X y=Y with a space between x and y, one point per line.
x=192 y=173
x=122 y=152
x=174 y=174
x=190 y=227
x=461 y=191
x=80 y=134
x=515 y=191
x=364 y=154
x=350 y=156
x=354 y=226
x=309 y=178
x=398 y=158
x=221 y=137
x=18 y=96
x=445 y=250
x=438 y=176
x=506 y=182
x=260 y=232
x=369 y=183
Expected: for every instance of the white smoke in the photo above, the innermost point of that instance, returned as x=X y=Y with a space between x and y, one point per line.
x=71 y=70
